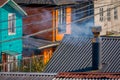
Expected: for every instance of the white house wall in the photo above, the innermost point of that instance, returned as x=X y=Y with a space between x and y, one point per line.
x=112 y=26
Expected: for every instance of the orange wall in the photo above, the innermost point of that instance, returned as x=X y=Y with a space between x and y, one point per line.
x=47 y=54
x=68 y=27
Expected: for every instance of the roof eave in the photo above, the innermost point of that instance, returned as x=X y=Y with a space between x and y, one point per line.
x=19 y=9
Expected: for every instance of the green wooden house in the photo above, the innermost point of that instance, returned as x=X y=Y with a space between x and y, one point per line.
x=10 y=28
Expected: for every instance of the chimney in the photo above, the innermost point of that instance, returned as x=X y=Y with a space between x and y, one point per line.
x=96 y=48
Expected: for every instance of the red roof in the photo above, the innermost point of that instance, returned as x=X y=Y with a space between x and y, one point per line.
x=89 y=75
x=2 y=2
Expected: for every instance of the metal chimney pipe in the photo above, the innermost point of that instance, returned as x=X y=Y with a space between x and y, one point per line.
x=96 y=48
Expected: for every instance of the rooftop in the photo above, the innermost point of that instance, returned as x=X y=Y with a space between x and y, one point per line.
x=87 y=75
x=51 y=2
x=74 y=54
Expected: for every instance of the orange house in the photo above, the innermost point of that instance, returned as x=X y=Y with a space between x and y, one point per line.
x=47 y=14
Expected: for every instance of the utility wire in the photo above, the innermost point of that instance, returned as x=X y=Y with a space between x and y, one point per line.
x=37 y=13
x=55 y=18
x=43 y=31
x=51 y=11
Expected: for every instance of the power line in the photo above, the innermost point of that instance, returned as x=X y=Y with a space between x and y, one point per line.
x=37 y=13
x=63 y=16
x=43 y=31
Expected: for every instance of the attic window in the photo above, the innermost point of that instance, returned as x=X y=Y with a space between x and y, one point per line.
x=11 y=23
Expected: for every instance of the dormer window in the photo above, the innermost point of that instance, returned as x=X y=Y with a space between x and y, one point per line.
x=11 y=24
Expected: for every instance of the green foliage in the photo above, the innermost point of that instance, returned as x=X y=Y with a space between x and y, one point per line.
x=34 y=64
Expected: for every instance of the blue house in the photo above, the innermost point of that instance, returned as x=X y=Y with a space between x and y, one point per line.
x=10 y=29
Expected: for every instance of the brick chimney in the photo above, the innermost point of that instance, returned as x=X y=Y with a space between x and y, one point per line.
x=96 y=48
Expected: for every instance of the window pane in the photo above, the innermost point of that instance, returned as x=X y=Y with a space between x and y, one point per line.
x=11 y=23
x=101 y=14
x=108 y=14
x=115 y=13
x=62 y=20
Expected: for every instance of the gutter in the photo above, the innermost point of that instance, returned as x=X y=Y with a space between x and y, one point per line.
x=49 y=45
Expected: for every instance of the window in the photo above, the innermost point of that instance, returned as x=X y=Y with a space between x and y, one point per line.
x=62 y=20
x=11 y=24
x=101 y=14
x=108 y=14
x=115 y=13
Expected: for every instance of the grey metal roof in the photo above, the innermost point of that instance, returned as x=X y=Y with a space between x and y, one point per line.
x=52 y=2
x=33 y=43
x=26 y=76
x=110 y=54
x=73 y=54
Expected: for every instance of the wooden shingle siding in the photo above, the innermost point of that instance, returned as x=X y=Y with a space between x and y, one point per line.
x=41 y=20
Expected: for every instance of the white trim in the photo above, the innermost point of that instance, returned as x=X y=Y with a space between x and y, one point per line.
x=19 y=7
x=47 y=46
x=11 y=33
x=16 y=5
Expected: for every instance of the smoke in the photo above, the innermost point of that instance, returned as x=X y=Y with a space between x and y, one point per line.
x=83 y=28
x=39 y=22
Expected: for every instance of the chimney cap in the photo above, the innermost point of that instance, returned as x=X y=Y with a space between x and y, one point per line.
x=96 y=29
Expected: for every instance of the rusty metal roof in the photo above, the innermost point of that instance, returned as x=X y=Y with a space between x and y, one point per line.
x=59 y=76
x=86 y=75
x=51 y=2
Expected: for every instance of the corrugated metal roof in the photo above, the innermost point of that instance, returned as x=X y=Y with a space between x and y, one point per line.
x=38 y=43
x=73 y=54
x=110 y=54
x=86 y=76
x=32 y=45
x=26 y=76
x=52 y=2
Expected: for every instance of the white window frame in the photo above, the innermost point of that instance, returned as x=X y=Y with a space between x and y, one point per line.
x=62 y=20
x=11 y=24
